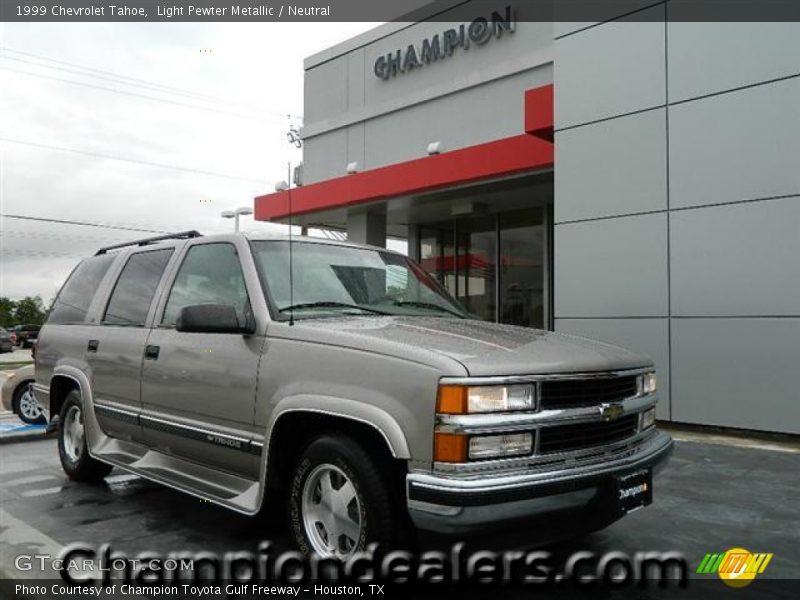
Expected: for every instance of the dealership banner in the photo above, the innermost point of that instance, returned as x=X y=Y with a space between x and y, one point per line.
x=34 y=11
x=703 y=590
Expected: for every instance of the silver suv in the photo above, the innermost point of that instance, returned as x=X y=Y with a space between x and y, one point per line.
x=346 y=381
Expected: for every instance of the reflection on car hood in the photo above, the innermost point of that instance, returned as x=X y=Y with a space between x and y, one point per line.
x=483 y=348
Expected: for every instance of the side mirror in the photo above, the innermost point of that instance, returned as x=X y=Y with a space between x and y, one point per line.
x=211 y=318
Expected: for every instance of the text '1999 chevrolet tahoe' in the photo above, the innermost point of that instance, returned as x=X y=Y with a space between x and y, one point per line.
x=345 y=380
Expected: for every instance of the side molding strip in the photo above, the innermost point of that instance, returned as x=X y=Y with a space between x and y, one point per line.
x=199 y=434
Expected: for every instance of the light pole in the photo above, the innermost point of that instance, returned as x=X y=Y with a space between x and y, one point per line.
x=235 y=214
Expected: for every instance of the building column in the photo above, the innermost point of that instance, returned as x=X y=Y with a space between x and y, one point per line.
x=413 y=242
x=367 y=228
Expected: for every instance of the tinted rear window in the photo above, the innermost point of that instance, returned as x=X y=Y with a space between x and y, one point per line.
x=131 y=298
x=74 y=299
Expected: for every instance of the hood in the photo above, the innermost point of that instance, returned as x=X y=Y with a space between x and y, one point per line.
x=483 y=348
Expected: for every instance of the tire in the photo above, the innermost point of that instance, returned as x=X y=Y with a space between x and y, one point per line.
x=341 y=469
x=25 y=405
x=72 y=449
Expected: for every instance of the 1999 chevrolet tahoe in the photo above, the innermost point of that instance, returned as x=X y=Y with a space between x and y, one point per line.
x=344 y=379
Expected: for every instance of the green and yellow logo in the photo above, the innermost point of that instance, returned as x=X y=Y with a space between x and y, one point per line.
x=737 y=567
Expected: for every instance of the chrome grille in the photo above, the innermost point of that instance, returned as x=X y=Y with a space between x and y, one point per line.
x=561 y=438
x=576 y=393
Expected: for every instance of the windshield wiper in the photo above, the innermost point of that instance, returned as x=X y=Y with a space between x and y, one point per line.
x=430 y=305
x=330 y=304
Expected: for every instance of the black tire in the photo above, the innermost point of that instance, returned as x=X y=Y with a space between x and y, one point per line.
x=15 y=402
x=81 y=467
x=383 y=519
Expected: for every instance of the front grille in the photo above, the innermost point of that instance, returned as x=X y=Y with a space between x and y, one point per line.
x=561 y=438
x=575 y=393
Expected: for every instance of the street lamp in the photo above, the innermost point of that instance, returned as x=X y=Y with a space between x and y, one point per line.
x=235 y=214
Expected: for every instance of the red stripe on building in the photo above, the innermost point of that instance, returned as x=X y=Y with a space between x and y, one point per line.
x=508 y=156
x=539 y=118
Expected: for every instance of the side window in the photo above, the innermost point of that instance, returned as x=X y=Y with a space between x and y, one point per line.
x=133 y=293
x=72 y=302
x=210 y=274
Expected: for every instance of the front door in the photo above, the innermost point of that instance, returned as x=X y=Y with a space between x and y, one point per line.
x=199 y=389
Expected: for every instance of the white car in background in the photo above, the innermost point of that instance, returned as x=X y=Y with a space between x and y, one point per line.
x=18 y=397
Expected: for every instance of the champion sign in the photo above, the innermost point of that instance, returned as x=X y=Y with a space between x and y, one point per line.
x=442 y=46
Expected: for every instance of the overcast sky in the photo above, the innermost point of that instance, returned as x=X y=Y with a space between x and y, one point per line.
x=256 y=68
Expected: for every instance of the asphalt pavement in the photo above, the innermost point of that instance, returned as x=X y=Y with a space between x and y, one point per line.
x=711 y=497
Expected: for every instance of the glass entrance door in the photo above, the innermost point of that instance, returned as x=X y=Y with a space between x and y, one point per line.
x=496 y=265
x=522 y=285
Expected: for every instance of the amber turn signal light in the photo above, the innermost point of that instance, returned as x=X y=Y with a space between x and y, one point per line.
x=450 y=447
x=452 y=400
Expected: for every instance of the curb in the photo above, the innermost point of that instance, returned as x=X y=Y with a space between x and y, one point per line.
x=38 y=434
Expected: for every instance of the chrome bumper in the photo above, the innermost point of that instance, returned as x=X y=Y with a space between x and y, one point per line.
x=450 y=503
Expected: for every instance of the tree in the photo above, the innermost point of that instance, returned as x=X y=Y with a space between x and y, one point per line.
x=7 y=306
x=30 y=310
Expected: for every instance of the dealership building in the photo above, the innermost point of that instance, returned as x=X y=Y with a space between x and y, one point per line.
x=634 y=180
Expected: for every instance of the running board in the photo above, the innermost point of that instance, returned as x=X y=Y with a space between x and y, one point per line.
x=231 y=491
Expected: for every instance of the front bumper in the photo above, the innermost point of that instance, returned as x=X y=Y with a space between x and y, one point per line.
x=453 y=504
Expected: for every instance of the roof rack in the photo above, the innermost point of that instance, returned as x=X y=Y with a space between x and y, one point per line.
x=183 y=235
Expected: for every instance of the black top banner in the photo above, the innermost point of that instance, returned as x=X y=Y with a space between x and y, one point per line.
x=33 y=11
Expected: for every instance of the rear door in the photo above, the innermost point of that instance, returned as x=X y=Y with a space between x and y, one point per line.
x=115 y=349
x=199 y=389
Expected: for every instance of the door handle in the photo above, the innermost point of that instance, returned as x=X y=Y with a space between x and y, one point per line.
x=93 y=345
x=151 y=352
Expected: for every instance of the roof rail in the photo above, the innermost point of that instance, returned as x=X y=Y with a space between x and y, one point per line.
x=183 y=235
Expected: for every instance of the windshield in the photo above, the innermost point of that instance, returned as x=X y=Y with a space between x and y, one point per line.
x=331 y=280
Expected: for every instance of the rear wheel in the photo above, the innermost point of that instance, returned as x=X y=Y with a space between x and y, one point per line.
x=340 y=500
x=26 y=406
x=72 y=449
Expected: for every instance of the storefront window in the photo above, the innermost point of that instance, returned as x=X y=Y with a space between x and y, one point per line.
x=476 y=262
x=437 y=254
x=522 y=273
x=510 y=288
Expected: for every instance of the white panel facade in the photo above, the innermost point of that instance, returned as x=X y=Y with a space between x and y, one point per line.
x=610 y=70
x=614 y=167
x=737 y=260
x=611 y=267
x=707 y=58
x=736 y=373
x=743 y=145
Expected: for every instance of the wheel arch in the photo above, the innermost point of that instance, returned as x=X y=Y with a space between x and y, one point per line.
x=61 y=384
x=296 y=424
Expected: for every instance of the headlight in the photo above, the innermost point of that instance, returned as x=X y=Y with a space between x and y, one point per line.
x=459 y=400
x=648 y=419
x=647 y=383
x=497 y=446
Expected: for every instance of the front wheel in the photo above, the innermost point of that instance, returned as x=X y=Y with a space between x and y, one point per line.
x=340 y=500
x=26 y=406
x=72 y=449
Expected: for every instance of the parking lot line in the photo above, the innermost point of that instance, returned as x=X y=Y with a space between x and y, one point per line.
x=30 y=479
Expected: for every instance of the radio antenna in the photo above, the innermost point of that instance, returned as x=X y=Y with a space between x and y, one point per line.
x=291 y=263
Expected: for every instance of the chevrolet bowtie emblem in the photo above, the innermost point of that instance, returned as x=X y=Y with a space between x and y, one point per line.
x=611 y=412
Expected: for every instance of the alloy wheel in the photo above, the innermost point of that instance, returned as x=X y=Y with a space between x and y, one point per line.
x=331 y=510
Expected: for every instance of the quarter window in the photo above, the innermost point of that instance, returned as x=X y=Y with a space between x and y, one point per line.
x=210 y=274
x=130 y=301
x=72 y=302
